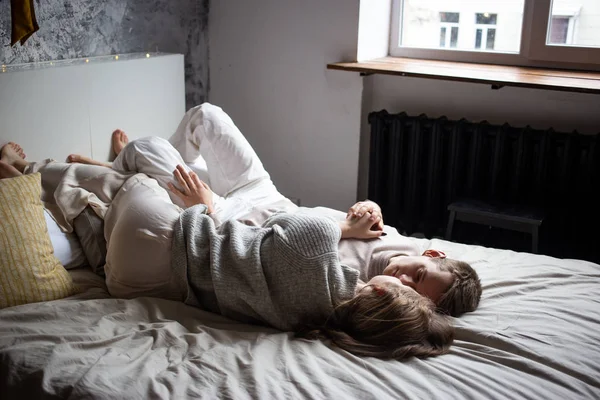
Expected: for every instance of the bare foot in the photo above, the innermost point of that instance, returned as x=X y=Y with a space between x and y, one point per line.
x=119 y=140
x=8 y=171
x=13 y=155
x=16 y=147
x=79 y=159
x=10 y=151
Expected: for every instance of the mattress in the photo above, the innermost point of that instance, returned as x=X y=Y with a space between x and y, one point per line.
x=536 y=335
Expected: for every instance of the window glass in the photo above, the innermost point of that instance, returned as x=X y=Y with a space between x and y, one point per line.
x=559 y=30
x=483 y=25
x=575 y=23
x=443 y=36
x=486 y=18
x=454 y=36
x=449 y=17
x=491 y=39
x=556 y=33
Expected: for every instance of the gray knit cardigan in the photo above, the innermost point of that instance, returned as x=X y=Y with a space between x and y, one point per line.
x=283 y=274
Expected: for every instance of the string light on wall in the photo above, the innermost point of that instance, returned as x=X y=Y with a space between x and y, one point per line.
x=51 y=64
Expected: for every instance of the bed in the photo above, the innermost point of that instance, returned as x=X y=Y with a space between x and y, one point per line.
x=535 y=335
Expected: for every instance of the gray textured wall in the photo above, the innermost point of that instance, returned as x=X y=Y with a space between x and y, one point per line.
x=82 y=28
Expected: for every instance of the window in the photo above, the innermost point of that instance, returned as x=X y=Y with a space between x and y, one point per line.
x=485 y=24
x=562 y=33
x=559 y=30
x=566 y=30
x=470 y=25
x=449 y=29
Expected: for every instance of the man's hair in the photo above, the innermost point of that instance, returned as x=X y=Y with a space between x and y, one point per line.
x=379 y=323
x=464 y=293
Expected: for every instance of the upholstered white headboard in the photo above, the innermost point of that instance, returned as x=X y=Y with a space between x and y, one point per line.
x=56 y=108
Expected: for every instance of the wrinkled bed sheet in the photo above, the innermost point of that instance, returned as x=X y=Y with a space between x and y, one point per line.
x=536 y=335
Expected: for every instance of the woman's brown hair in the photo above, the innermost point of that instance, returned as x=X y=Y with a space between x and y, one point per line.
x=383 y=324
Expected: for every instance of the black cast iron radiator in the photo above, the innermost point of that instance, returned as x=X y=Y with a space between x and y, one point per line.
x=419 y=165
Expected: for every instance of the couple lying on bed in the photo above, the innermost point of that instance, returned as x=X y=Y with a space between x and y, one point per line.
x=241 y=249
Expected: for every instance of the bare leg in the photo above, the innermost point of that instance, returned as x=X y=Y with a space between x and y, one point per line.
x=119 y=140
x=13 y=155
x=79 y=159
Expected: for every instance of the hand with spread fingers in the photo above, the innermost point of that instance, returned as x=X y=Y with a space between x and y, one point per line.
x=361 y=208
x=193 y=191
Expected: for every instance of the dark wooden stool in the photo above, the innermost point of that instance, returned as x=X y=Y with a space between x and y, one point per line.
x=505 y=217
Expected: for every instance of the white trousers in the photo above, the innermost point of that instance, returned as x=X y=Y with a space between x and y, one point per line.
x=207 y=142
x=139 y=223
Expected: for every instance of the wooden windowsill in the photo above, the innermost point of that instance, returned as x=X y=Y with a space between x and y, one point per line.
x=495 y=75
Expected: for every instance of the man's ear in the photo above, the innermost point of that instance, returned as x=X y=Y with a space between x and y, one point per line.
x=434 y=253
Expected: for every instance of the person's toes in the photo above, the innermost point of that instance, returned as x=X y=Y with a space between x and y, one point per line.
x=122 y=138
x=119 y=140
x=19 y=150
x=116 y=135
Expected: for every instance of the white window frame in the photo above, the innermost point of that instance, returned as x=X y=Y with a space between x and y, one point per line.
x=484 y=33
x=533 y=51
x=448 y=37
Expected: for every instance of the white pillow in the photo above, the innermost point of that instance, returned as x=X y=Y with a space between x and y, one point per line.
x=66 y=245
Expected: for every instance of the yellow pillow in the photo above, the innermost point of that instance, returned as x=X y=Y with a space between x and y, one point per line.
x=29 y=271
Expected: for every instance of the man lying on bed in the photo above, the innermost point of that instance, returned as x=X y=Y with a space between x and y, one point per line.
x=243 y=191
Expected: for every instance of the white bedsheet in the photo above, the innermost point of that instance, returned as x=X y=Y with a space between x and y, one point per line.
x=536 y=335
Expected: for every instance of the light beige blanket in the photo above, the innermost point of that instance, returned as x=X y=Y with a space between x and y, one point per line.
x=68 y=188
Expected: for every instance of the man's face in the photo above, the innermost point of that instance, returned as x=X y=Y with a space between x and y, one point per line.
x=420 y=273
